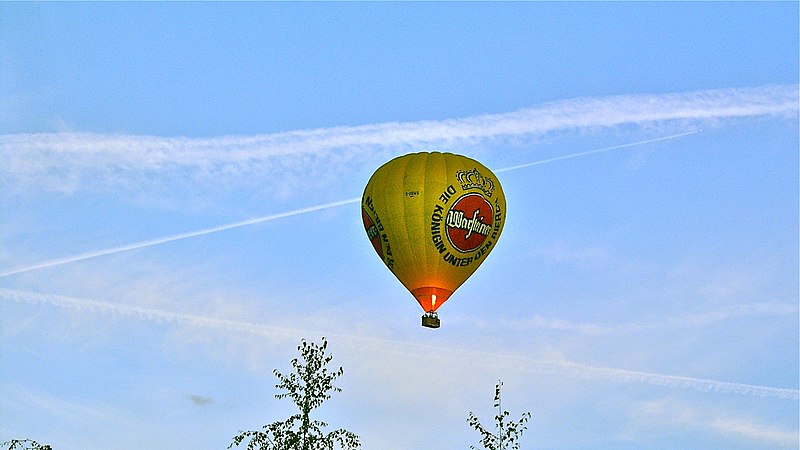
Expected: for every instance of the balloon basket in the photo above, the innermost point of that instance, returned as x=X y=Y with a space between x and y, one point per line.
x=430 y=320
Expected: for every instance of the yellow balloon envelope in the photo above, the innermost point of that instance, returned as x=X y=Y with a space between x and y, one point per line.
x=433 y=218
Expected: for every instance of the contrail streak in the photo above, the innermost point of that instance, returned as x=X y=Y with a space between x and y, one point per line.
x=177 y=237
x=149 y=314
x=295 y=212
x=552 y=366
x=592 y=152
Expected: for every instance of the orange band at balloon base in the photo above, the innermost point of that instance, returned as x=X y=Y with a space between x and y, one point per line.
x=431 y=297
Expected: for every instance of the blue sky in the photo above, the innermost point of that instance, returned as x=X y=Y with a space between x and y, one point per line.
x=179 y=208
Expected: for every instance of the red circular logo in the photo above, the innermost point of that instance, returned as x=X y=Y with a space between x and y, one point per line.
x=469 y=222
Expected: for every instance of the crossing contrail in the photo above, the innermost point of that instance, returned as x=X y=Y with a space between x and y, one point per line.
x=295 y=212
x=554 y=366
x=592 y=152
x=173 y=238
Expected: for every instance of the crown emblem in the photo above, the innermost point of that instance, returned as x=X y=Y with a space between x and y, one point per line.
x=472 y=179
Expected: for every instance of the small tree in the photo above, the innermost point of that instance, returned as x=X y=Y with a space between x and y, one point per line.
x=24 y=444
x=507 y=433
x=308 y=387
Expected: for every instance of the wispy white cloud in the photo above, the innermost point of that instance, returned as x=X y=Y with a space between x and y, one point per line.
x=733 y=311
x=681 y=414
x=75 y=411
x=593 y=329
x=68 y=160
x=756 y=431
x=382 y=346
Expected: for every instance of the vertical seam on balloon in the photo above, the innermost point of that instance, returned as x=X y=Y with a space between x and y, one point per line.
x=404 y=173
x=419 y=271
x=398 y=207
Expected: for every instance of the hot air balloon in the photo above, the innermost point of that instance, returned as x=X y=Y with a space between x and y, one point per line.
x=433 y=218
